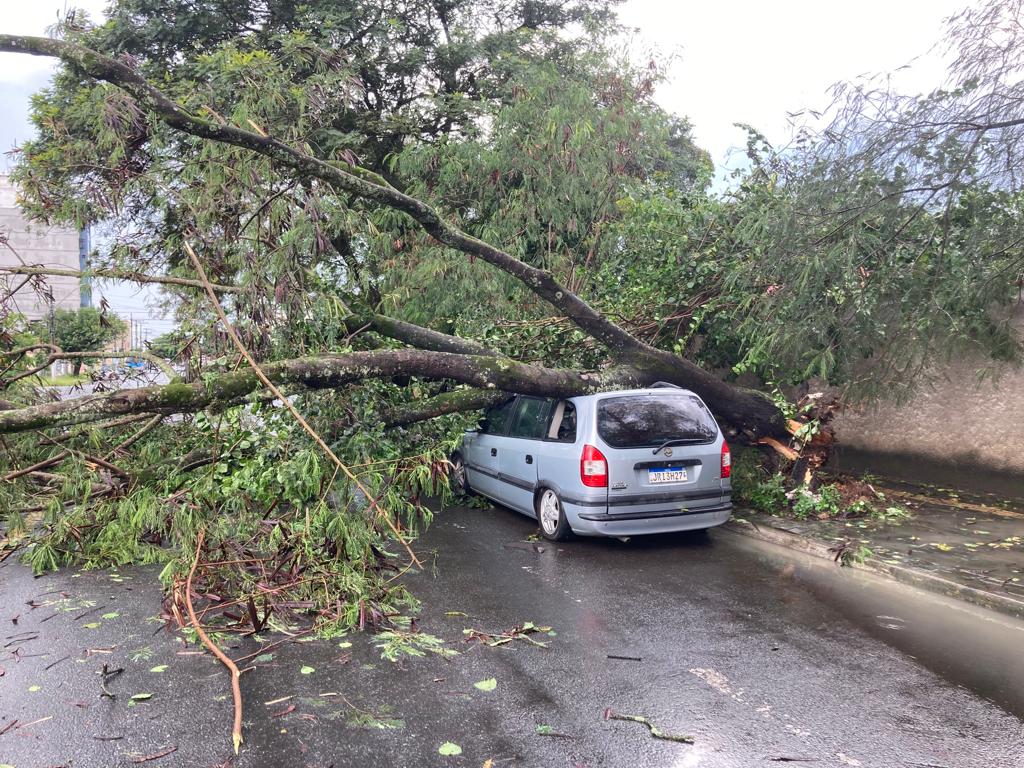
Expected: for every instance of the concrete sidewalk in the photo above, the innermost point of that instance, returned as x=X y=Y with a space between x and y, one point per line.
x=968 y=546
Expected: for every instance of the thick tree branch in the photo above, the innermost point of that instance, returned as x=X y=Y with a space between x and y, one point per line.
x=456 y=401
x=315 y=373
x=119 y=274
x=416 y=335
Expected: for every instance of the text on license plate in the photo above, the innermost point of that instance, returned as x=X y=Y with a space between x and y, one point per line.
x=667 y=475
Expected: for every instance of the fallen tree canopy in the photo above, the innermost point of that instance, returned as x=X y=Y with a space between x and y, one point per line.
x=290 y=510
x=751 y=413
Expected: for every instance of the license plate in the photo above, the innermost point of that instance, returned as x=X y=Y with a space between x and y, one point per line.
x=667 y=475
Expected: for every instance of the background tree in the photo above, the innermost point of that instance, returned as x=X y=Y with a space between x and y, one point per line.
x=887 y=237
x=83 y=330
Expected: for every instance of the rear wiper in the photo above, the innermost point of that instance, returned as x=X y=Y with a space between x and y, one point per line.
x=678 y=441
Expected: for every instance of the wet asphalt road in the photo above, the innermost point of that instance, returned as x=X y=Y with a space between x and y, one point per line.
x=762 y=655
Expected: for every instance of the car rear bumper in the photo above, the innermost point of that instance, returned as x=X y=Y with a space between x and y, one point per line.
x=586 y=522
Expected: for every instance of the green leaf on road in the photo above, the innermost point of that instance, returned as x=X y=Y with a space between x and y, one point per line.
x=308 y=670
x=111 y=615
x=486 y=685
x=263 y=658
x=92 y=625
x=141 y=696
x=345 y=644
x=159 y=668
x=34 y=688
x=448 y=749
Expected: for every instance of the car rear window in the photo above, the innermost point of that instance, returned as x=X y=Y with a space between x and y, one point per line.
x=641 y=421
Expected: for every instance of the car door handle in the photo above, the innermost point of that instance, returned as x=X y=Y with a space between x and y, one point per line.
x=529 y=459
x=494 y=451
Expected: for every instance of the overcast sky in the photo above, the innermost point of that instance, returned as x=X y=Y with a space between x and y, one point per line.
x=736 y=61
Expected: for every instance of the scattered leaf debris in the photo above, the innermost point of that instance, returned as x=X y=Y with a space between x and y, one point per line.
x=449 y=749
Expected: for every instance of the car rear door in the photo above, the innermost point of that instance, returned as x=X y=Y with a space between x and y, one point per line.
x=682 y=476
x=517 y=462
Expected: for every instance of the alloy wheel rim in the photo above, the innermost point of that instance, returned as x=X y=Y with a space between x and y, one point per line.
x=549 y=512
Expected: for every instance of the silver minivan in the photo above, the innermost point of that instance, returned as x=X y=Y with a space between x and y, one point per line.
x=612 y=464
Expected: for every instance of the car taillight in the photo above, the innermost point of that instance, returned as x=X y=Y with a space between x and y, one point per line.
x=593 y=468
x=726 y=461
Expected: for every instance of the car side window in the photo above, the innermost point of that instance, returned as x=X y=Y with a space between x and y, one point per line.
x=532 y=419
x=563 y=423
x=567 y=429
x=498 y=419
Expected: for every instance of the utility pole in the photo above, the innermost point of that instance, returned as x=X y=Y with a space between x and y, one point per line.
x=52 y=323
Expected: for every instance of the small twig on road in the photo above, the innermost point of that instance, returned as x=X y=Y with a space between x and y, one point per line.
x=154 y=756
x=108 y=674
x=58 y=661
x=547 y=730
x=624 y=658
x=91 y=610
x=236 y=691
x=22 y=640
x=265 y=648
x=655 y=732
x=792 y=759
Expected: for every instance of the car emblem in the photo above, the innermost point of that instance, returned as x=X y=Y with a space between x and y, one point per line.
x=668 y=451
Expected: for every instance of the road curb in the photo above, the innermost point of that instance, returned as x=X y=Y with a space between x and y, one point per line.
x=914 y=577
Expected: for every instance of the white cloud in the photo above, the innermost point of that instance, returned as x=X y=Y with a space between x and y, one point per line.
x=751 y=62
x=33 y=18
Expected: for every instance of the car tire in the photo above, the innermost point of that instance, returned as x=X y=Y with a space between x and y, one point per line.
x=551 y=516
x=458 y=477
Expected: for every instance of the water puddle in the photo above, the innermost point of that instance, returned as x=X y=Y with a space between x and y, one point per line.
x=969 y=646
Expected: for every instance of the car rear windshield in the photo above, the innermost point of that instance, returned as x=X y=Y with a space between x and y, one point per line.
x=640 y=421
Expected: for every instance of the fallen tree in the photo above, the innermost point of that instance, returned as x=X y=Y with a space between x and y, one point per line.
x=750 y=413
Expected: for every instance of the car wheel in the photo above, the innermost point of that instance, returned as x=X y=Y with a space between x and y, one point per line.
x=457 y=476
x=551 y=516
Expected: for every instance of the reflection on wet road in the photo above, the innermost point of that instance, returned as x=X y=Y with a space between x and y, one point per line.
x=762 y=655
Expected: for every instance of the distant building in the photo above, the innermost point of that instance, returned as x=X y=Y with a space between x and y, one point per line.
x=32 y=245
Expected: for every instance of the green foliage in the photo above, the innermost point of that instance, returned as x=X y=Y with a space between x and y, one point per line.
x=753 y=486
x=824 y=502
x=545 y=182
x=353 y=82
x=768 y=492
x=393 y=645
x=849 y=553
x=168 y=345
x=82 y=330
x=266 y=495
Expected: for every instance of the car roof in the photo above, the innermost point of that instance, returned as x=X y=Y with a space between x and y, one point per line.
x=581 y=399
